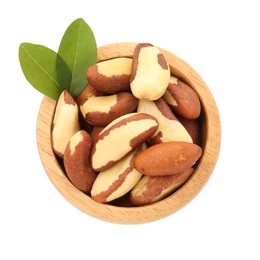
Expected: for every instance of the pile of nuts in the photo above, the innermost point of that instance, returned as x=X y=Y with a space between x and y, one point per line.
x=132 y=135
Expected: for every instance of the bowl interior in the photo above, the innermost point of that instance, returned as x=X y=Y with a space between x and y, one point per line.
x=210 y=125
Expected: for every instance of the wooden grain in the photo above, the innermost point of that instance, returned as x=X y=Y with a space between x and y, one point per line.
x=131 y=215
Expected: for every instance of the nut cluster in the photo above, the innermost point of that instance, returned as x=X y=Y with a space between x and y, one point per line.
x=132 y=136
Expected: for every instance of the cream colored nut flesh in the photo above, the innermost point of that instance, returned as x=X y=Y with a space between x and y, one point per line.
x=170 y=129
x=167 y=95
x=117 y=180
x=150 y=72
x=101 y=104
x=120 y=137
x=117 y=66
x=65 y=122
x=102 y=110
x=111 y=76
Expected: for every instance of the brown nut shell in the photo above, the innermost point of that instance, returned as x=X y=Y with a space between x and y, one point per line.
x=120 y=137
x=151 y=189
x=76 y=161
x=102 y=110
x=182 y=99
x=170 y=129
x=117 y=180
x=95 y=133
x=167 y=158
x=88 y=92
x=193 y=128
x=111 y=76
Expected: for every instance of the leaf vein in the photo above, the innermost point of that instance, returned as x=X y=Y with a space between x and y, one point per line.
x=76 y=54
x=41 y=67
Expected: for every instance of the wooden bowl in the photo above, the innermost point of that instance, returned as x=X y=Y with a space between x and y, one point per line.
x=211 y=133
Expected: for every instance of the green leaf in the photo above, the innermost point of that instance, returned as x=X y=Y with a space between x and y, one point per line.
x=38 y=64
x=79 y=50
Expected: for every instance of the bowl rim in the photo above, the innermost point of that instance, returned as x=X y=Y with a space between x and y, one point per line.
x=165 y=207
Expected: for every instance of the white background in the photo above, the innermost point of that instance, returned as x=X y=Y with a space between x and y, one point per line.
x=220 y=39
